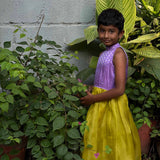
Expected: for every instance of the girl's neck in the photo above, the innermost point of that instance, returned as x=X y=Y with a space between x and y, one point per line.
x=110 y=47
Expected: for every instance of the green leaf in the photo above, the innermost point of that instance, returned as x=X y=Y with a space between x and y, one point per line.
x=153 y=84
x=24 y=118
x=17 y=91
x=145 y=38
x=141 y=98
x=49 y=152
x=41 y=129
x=52 y=95
x=37 y=84
x=58 y=123
x=2 y=99
x=148 y=51
x=74 y=90
x=68 y=91
x=16 y=30
x=73 y=114
x=5 y=65
x=68 y=156
x=4 y=106
x=5 y=157
x=108 y=149
x=70 y=97
x=47 y=89
x=20 y=49
x=31 y=143
x=150 y=102
x=145 y=113
x=23 y=43
x=41 y=121
x=85 y=74
x=41 y=135
x=61 y=151
x=152 y=66
x=137 y=110
x=18 y=134
x=10 y=98
x=30 y=79
x=11 y=86
x=35 y=149
x=45 y=143
x=54 y=115
x=89 y=146
x=75 y=124
x=24 y=87
x=73 y=133
x=77 y=41
x=91 y=33
x=22 y=35
x=58 y=140
x=14 y=126
x=138 y=116
x=93 y=62
x=7 y=44
x=77 y=157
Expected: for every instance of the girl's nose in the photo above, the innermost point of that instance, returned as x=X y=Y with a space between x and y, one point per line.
x=106 y=34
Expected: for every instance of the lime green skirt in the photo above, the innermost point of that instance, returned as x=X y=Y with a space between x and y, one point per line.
x=111 y=129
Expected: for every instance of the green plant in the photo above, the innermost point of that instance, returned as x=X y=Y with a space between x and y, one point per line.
x=128 y=9
x=142 y=41
x=144 y=99
x=38 y=98
x=155 y=133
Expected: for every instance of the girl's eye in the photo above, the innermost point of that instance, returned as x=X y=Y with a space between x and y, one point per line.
x=111 y=31
x=102 y=30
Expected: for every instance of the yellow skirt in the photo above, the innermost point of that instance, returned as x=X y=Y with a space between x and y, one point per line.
x=111 y=124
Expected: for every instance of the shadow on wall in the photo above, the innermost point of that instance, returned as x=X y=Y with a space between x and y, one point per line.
x=85 y=52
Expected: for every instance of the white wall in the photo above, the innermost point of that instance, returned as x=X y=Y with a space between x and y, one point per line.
x=65 y=20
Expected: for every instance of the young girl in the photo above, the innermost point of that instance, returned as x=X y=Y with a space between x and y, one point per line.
x=109 y=118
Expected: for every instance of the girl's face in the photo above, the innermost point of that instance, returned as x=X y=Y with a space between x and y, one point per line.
x=109 y=35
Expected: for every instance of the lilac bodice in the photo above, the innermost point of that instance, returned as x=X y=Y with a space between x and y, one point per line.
x=105 y=74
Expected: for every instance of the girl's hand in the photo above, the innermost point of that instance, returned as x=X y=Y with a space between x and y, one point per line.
x=87 y=100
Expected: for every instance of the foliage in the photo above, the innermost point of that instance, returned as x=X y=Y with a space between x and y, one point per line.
x=128 y=9
x=38 y=98
x=144 y=40
x=144 y=99
x=142 y=45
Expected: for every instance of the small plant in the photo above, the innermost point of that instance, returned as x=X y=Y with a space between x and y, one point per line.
x=155 y=133
x=38 y=99
x=144 y=99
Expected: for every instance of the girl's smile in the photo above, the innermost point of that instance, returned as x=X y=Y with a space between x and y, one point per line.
x=109 y=35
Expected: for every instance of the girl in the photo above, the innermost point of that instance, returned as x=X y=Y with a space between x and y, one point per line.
x=109 y=118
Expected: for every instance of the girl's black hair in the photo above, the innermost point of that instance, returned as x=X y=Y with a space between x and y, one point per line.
x=111 y=17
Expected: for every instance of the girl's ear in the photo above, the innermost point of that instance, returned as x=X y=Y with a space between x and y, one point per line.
x=121 y=34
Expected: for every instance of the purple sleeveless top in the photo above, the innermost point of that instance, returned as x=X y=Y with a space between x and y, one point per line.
x=105 y=74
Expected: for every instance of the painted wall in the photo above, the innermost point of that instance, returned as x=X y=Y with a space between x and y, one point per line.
x=65 y=20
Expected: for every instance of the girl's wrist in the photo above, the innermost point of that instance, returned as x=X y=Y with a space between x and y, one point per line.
x=94 y=98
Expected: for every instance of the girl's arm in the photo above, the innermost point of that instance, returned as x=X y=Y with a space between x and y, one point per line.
x=119 y=62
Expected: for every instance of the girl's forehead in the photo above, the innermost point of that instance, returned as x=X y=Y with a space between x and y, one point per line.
x=108 y=27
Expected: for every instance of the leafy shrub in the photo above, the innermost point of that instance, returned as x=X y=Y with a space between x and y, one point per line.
x=38 y=99
x=144 y=99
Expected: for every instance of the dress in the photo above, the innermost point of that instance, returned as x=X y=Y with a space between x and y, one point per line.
x=110 y=122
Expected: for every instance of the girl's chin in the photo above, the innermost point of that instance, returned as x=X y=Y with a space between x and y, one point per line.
x=107 y=44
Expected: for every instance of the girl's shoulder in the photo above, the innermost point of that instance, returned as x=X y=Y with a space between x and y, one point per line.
x=120 y=54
